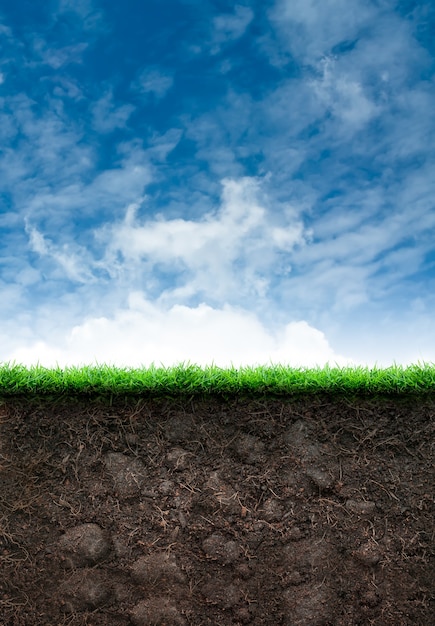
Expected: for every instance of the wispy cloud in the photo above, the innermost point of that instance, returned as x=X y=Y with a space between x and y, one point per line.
x=344 y=97
x=153 y=81
x=91 y=17
x=107 y=116
x=229 y=27
x=59 y=57
x=311 y=29
x=68 y=258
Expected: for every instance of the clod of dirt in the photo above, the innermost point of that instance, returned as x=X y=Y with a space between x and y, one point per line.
x=180 y=429
x=222 y=495
x=166 y=487
x=361 y=507
x=298 y=482
x=369 y=554
x=177 y=459
x=301 y=441
x=370 y=598
x=128 y=473
x=249 y=449
x=308 y=606
x=83 y=545
x=226 y=596
x=322 y=479
x=157 y=611
x=309 y=557
x=294 y=578
x=217 y=547
x=84 y=590
x=243 y=615
x=160 y=567
x=272 y=511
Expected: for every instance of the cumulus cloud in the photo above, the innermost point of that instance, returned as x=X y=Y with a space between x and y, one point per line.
x=145 y=333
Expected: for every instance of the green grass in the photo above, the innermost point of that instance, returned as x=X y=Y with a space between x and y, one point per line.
x=191 y=380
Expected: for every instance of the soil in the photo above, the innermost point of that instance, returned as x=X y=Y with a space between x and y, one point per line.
x=309 y=511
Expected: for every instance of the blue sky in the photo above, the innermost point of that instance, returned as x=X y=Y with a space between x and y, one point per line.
x=217 y=182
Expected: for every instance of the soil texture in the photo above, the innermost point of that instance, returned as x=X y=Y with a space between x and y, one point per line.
x=309 y=511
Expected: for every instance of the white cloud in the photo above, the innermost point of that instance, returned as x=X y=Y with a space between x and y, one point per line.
x=79 y=191
x=81 y=7
x=226 y=254
x=358 y=258
x=121 y=183
x=107 y=116
x=162 y=144
x=344 y=97
x=145 y=333
x=28 y=276
x=153 y=81
x=91 y=18
x=5 y=30
x=220 y=135
x=69 y=257
x=312 y=28
x=229 y=27
x=59 y=57
x=11 y=295
x=48 y=151
x=67 y=88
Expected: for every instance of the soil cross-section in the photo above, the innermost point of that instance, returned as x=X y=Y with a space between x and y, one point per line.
x=304 y=512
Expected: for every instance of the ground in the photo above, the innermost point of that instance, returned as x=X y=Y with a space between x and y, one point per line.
x=300 y=512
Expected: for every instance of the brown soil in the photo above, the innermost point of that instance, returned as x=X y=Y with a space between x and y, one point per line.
x=302 y=512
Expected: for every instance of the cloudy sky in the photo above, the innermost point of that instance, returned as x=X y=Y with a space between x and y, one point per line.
x=209 y=181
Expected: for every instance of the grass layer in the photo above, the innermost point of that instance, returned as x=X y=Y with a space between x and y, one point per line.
x=276 y=380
